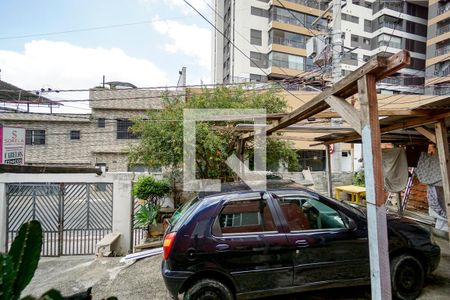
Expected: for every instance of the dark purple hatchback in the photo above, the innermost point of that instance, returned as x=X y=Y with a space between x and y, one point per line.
x=286 y=239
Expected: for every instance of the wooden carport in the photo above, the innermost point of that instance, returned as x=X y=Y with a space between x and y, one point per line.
x=367 y=128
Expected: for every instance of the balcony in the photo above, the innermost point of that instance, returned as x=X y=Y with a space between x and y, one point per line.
x=442 y=72
x=443 y=50
x=310 y=3
x=443 y=9
x=443 y=29
x=288 y=42
x=442 y=91
x=287 y=65
x=393 y=81
x=389 y=44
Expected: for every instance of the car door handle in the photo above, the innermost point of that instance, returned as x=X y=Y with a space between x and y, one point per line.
x=301 y=243
x=222 y=247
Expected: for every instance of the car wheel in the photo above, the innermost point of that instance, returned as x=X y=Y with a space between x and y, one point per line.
x=208 y=289
x=407 y=277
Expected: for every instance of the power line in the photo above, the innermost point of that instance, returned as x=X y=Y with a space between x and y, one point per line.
x=237 y=48
x=88 y=28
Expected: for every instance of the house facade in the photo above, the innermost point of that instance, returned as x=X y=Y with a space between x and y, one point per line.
x=101 y=138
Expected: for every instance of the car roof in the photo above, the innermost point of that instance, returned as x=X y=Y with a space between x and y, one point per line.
x=241 y=187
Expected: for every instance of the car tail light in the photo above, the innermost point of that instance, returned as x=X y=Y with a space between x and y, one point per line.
x=167 y=244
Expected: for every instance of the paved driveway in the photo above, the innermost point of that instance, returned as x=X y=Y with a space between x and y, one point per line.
x=142 y=280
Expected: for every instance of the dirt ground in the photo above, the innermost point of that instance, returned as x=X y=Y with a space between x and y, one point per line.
x=142 y=279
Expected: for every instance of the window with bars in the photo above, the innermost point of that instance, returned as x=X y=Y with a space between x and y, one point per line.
x=101 y=123
x=75 y=134
x=123 y=129
x=34 y=137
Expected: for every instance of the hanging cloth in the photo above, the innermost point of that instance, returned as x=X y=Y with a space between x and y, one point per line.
x=428 y=170
x=395 y=169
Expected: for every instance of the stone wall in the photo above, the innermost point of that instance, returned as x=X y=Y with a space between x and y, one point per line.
x=337 y=179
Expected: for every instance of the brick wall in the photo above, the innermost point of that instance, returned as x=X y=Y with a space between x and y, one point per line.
x=96 y=144
x=418 y=197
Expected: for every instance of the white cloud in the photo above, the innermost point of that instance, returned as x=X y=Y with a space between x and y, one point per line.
x=60 y=65
x=180 y=5
x=190 y=40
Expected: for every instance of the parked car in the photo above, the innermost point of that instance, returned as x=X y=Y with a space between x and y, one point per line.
x=285 y=239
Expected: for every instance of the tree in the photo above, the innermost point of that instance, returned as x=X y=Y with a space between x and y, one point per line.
x=161 y=133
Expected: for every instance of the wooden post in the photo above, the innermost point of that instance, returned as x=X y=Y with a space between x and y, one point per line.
x=376 y=210
x=444 y=161
x=328 y=170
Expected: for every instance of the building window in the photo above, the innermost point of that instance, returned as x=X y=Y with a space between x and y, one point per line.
x=256 y=11
x=75 y=134
x=311 y=159
x=366 y=57
x=257 y=78
x=35 y=137
x=350 y=18
x=255 y=37
x=287 y=38
x=101 y=123
x=367 y=26
x=258 y=60
x=389 y=40
x=354 y=56
x=123 y=129
x=136 y=168
x=288 y=61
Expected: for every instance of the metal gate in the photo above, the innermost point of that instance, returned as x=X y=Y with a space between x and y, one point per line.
x=74 y=216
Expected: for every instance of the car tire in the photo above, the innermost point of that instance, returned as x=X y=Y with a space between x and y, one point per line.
x=407 y=277
x=208 y=289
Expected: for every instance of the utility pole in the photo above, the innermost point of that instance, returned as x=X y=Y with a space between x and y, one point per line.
x=336 y=40
x=336 y=44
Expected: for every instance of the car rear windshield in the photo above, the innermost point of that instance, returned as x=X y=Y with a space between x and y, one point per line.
x=182 y=213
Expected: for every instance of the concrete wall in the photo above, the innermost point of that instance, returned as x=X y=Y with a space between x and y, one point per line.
x=96 y=144
x=122 y=201
x=337 y=179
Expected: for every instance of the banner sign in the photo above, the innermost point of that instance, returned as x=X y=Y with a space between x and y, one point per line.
x=12 y=150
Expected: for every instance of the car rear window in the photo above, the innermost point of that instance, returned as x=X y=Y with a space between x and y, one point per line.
x=182 y=213
x=246 y=216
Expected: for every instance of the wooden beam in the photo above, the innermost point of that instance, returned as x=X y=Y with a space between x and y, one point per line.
x=398 y=125
x=444 y=161
x=379 y=66
x=328 y=168
x=346 y=111
x=376 y=210
x=291 y=138
x=426 y=133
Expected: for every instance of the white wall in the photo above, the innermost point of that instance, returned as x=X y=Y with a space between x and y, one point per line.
x=122 y=203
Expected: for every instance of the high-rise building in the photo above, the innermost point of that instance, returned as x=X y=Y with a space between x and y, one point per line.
x=385 y=27
x=272 y=35
x=438 y=48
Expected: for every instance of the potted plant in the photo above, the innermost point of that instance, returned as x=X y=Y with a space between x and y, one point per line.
x=151 y=193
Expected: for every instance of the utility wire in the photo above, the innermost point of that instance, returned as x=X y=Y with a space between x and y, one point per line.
x=88 y=29
x=237 y=48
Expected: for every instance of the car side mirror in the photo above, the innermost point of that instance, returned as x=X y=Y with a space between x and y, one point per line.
x=351 y=224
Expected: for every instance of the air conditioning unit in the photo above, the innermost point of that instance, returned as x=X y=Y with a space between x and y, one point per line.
x=318 y=50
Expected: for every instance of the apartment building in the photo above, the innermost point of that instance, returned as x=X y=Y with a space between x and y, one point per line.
x=273 y=34
x=386 y=27
x=438 y=48
x=101 y=138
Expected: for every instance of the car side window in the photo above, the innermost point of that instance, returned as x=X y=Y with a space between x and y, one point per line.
x=246 y=216
x=306 y=213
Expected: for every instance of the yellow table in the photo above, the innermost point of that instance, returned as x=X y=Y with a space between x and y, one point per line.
x=356 y=192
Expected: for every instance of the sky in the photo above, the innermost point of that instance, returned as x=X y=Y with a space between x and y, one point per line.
x=71 y=44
